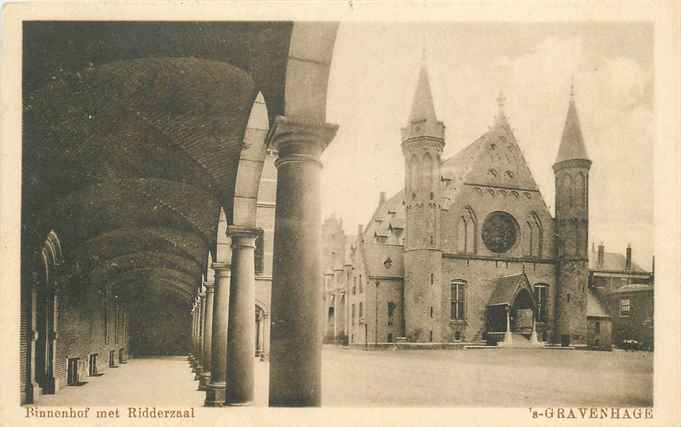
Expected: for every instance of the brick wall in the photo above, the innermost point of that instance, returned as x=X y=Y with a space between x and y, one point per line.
x=479 y=276
x=81 y=331
x=160 y=327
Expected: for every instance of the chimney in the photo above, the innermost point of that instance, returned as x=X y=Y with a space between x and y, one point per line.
x=381 y=198
x=628 y=262
x=601 y=255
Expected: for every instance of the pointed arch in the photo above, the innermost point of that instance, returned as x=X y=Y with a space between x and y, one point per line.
x=467 y=232
x=580 y=190
x=535 y=238
x=413 y=173
x=428 y=173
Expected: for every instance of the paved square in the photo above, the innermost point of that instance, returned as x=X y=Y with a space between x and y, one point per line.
x=519 y=378
x=353 y=377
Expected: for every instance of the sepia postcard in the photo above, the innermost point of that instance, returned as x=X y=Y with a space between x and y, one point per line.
x=345 y=213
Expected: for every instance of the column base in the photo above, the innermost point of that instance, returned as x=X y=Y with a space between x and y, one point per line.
x=215 y=395
x=204 y=380
x=239 y=403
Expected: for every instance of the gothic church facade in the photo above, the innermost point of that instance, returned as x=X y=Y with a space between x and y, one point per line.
x=468 y=251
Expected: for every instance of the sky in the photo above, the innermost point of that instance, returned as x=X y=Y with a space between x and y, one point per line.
x=373 y=78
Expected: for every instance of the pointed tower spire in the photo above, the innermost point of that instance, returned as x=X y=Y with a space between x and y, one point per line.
x=500 y=119
x=422 y=105
x=572 y=143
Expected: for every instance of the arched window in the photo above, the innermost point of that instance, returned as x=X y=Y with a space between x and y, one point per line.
x=541 y=295
x=413 y=174
x=580 y=190
x=427 y=183
x=457 y=297
x=535 y=236
x=467 y=232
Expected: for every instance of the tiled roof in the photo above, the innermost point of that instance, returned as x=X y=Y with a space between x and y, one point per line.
x=612 y=262
x=505 y=289
x=572 y=143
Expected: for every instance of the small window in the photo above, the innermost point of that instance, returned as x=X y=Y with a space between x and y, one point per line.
x=391 y=313
x=354 y=290
x=431 y=312
x=457 y=298
x=353 y=314
x=361 y=310
x=597 y=327
x=432 y=278
x=625 y=307
x=541 y=295
x=431 y=336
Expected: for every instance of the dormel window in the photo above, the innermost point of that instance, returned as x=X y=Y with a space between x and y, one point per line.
x=388 y=262
x=458 y=300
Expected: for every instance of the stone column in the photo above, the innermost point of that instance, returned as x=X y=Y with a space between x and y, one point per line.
x=195 y=332
x=204 y=379
x=240 y=328
x=199 y=328
x=295 y=334
x=215 y=391
x=190 y=357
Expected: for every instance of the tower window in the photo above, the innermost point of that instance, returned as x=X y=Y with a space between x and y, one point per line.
x=431 y=311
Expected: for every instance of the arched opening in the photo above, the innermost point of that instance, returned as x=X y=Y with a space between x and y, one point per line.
x=44 y=298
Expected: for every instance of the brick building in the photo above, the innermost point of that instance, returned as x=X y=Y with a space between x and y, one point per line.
x=469 y=247
x=627 y=292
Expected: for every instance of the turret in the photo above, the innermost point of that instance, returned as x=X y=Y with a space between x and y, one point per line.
x=571 y=171
x=422 y=145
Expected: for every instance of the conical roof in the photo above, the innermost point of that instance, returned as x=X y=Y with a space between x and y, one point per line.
x=572 y=143
x=422 y=106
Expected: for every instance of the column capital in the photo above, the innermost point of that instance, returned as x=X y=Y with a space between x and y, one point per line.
x=242 y=236
x=221 y=269
x=210 y=287
x=299 y=140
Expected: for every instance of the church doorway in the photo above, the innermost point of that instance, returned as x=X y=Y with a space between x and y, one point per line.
x=522 y=313
x=511 y=310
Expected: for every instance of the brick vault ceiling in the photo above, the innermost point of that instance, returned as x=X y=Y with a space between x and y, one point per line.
x=132 y=135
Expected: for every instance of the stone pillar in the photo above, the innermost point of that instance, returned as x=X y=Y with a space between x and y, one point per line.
x=296 y=309
x=241 y=324
x=195 y=332
x=190 y=357
x=204 y=379
x=199 y=328
x=215 y=391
